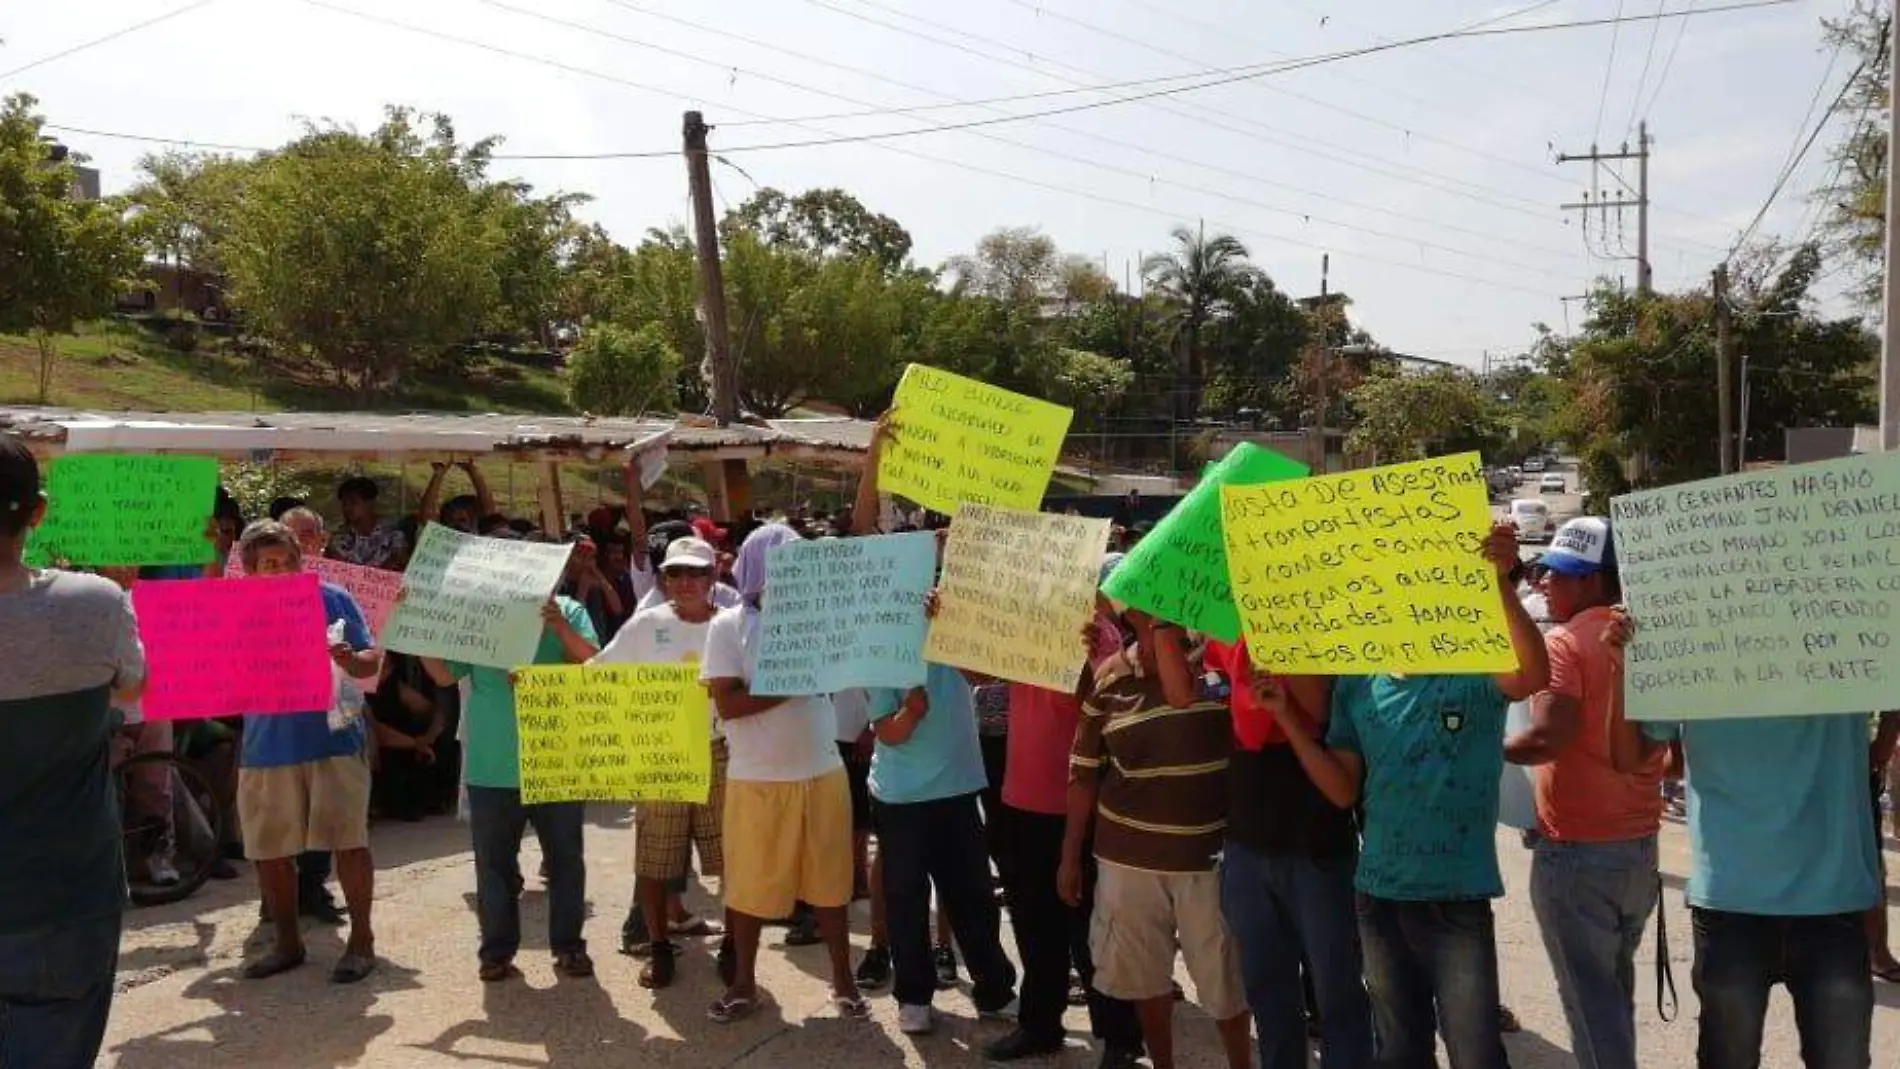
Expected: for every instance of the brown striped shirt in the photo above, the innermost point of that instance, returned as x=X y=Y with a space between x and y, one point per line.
x=1163 y=774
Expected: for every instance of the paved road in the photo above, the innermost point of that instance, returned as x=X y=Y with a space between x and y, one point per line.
x=182 y=1007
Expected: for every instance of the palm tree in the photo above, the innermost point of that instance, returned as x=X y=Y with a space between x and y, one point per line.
x=1199 y=278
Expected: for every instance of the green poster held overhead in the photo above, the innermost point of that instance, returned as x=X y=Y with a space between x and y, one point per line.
x=108 y=510
x=1770 y=593
x=1179 y=571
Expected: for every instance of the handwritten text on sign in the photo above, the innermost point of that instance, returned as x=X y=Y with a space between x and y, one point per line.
x=106 y=510
x=374 y=589
x=1370 y=571
x=474 y=600
x=1773 y=593
x=1179 y=572
x=1017 y=589
x=224 y=647
x=617 y=733
x=962 y=440
x=844 y=613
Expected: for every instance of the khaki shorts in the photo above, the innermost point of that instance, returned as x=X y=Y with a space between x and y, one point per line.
x=786 y=843
x=1140 y=919
x=664 y=833
x=316 y=805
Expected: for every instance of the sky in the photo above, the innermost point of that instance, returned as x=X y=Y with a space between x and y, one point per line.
x=1427 y=174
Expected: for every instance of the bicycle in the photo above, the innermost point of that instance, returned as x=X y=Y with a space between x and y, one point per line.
x=195 y=824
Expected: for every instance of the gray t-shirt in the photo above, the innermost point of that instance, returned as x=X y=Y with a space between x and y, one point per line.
x=66 y=642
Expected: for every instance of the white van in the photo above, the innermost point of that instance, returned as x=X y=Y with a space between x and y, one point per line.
x=1531 y=517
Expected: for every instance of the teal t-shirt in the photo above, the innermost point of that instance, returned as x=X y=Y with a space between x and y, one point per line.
x=942 y=758
x=1434 y=751
x=1778 y=814
x=491 y=748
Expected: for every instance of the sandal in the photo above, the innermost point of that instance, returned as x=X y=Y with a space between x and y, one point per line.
x=352 y=968
x=494 y=972
x=1890 y=974
x=729 y=1008
x=698 y=927
x=852 y=1007
x=277 y=961
x=659 y=969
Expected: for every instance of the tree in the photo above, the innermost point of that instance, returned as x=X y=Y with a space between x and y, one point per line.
x=1017 y=265
x=1200 y=277
x=1412 y=416
x=1254 y=349
x=1089 y=383
x=362 y=251
x=614 y=371
x=62 y=259
x=823 y=222
x=1854 y=202
x=184 y=202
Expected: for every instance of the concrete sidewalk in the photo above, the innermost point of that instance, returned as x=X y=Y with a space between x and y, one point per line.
x=181 y=1005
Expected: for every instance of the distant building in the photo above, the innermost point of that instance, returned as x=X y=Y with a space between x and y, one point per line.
x=1803 y=444
x=85 y=183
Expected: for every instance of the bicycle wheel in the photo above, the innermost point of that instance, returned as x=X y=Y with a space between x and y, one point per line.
x=168 y=809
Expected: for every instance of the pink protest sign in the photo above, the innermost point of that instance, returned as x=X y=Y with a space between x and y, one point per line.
x=374 y=589
x=223 y=647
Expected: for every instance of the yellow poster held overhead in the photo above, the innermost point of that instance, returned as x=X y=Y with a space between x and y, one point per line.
x=962 y=440
x=613 y=733
x=1371 y=571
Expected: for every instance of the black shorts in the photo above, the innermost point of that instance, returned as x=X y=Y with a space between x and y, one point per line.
x=858 y=772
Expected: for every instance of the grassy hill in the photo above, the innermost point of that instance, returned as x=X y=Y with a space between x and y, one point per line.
x=116 y=365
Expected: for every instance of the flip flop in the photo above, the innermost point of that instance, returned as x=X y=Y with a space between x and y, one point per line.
x=352 y=968
x=277 y=961
x=698 y=926
x=852 y=1007
x=730 y=1008
x=1890 y=974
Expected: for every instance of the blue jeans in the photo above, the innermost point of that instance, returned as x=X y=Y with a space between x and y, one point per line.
x=496 y=820
x=1432 y=965
x=1823 y=960
x=1592 y=902
x=56 y=994
x=1282 y=909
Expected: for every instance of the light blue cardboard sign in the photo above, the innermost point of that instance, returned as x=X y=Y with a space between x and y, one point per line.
x=844 y=612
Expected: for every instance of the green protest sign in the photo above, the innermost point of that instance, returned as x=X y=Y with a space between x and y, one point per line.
x=1179 y=571
x=107 y=510
x=474 y=600
x=1771 y=593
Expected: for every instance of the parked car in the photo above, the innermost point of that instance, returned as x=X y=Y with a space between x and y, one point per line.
x=1531 y=517
x=1534 y=465
x=1552 y=483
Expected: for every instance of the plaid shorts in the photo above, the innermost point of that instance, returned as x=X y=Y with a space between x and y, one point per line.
x=665 y=833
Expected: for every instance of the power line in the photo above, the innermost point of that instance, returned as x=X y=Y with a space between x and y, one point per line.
x=1794 y=162
x=113 y=36
x=1642 y=80
x=1669 y=61
x=1609 y=69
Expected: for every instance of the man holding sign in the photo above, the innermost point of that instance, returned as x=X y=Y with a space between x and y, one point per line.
x=1423 y=756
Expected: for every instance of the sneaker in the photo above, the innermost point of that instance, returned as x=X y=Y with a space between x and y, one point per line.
x=804 y=933
x=875 y=970
x=997 y=1011
x=1020 y=1044
x=916 y=1020
x=1114 y=1057
x=946 y=958
x=161 y=872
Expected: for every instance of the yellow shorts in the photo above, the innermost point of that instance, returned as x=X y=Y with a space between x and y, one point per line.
x=786 y=843
x=316 y=805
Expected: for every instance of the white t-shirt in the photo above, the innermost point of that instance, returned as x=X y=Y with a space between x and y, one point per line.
x=657 y=636
x=723 y=596
x=793 y=741
x=854 y=713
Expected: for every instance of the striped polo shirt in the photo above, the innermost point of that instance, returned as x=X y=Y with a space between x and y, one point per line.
x=1163 y=774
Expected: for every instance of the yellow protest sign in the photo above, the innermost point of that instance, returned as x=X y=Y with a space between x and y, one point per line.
x=1370 y=571
x=963 y=440
x=621 y=732
x=1016 y=590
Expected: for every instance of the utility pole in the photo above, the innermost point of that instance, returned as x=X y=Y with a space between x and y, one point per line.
x=1890 y=298
x=1604 y=202
x=712 y=283
x=1325 y=343
x=1724 y=396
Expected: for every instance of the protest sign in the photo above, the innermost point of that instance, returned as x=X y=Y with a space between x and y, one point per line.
x=474 y=600
x=1772 y=593
x=613 y=733
x=1371 y=571
x=223 y=647
x=845 y=612
x=374 y=589
x=961 y=440
x=106 y=510
x=1016 y=591
x=1179 y=571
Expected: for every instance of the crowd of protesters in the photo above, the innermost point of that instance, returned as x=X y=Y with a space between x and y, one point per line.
x=1321 y=853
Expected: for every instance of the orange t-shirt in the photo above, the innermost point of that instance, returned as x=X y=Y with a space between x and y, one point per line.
x=1581 y=797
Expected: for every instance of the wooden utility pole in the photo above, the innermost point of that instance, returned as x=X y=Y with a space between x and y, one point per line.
x=712 y=282
x=1724 y=394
